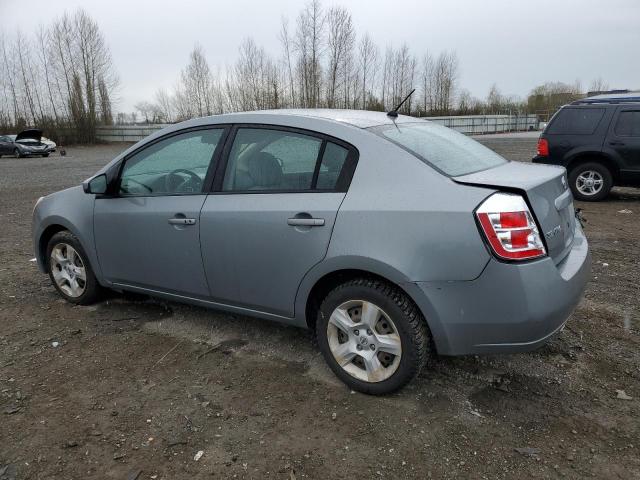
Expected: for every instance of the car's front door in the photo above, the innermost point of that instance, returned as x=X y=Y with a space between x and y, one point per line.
x=625 y=140
x=270 y=219
x=147 y=233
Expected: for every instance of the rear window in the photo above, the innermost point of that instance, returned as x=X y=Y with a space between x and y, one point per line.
x=576 y=121
x=450 y=152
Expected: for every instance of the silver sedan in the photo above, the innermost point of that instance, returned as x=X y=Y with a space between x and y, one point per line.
x=390 y=237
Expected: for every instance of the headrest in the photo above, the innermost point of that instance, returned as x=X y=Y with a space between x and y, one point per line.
x=265 y=170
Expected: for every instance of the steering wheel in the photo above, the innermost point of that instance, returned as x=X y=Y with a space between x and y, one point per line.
x=175 y=181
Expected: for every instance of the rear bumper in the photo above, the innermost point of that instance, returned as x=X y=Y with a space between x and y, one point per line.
x=509 y=307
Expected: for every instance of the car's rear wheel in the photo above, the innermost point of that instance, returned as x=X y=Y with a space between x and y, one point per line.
x=70 y=271
x=590 y=182
x=372 y=335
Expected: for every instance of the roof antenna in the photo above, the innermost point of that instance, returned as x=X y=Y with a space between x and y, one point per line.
x=394 y=113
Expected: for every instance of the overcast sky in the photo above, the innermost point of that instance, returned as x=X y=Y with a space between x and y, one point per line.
x=516 y=44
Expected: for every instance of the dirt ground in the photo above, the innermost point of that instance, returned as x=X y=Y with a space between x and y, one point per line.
x=134 y=388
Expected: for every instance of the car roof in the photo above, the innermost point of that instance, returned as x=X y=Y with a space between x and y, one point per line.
x=626 y=97
x=356 y=118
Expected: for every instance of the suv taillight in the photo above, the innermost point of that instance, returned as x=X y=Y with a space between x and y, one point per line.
x=543 y=147
x=510 y=228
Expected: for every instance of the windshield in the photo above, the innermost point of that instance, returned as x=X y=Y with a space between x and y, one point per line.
x=450 y=152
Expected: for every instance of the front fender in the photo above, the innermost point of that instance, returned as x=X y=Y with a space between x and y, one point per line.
x=71 y=210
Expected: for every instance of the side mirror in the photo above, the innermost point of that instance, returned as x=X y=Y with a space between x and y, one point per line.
x=97 y=185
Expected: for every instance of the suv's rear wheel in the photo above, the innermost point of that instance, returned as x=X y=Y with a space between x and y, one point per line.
x=372 y=335
x=590 y=182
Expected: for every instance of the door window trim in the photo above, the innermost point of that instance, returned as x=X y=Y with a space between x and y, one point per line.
x=211 y=169
x=342 y=184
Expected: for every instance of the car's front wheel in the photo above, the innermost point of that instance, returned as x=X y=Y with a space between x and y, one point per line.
x=590 y=182
x=70 y=271
x=372 y=335
x=17 y=153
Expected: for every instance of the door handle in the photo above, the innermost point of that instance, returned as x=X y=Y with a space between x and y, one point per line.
x=305 y=222
x=182 y=221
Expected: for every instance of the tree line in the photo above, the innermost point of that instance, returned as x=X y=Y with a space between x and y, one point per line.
x=322 y=64
x=60 y=79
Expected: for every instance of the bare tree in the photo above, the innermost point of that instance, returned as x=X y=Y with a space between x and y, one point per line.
x=67 y=80
x=43 y=58
x=285 y=39
x=309 y=42
x=148 y=111
x=164 y=105
x=340 y=42
x=368 y=62
x=427 y=84
x=598 y=85
x=257 y=81
x=197 y=84
x=445 y=78
x=10 y=76
x=495 y=100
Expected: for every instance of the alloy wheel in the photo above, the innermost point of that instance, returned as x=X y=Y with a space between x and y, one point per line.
x=364 y=341
x=589 y=182
x=68 y=270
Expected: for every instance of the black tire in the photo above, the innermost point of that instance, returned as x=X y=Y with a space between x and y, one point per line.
x=409 y=323
x=17 y=153
x=92 y=289
x=599 y=169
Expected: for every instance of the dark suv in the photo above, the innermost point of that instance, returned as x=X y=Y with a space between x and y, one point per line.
x=597 y=139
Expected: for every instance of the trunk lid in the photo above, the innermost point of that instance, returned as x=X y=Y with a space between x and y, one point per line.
x=546 y=189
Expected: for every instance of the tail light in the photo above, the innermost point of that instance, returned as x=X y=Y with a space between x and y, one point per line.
x=543 y=147
x=510 y=228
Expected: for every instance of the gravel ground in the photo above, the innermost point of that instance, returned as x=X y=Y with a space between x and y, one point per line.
x=134 y=388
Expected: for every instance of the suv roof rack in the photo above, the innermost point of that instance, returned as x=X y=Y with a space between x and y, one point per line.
x=627 y=97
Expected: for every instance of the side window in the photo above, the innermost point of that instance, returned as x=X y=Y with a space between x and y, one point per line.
x=576 y=121
x=262 y=159
x=333 y=162
x=628 y=124
x=175 y=165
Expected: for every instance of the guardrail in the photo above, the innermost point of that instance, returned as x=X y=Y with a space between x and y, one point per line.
x=483 y=124
x=126 y=133
x=468 y=124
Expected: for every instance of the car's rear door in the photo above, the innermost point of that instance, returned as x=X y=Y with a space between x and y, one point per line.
x=574 y=129
x=270 y=218
x=147 y=232
x=624 y=139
